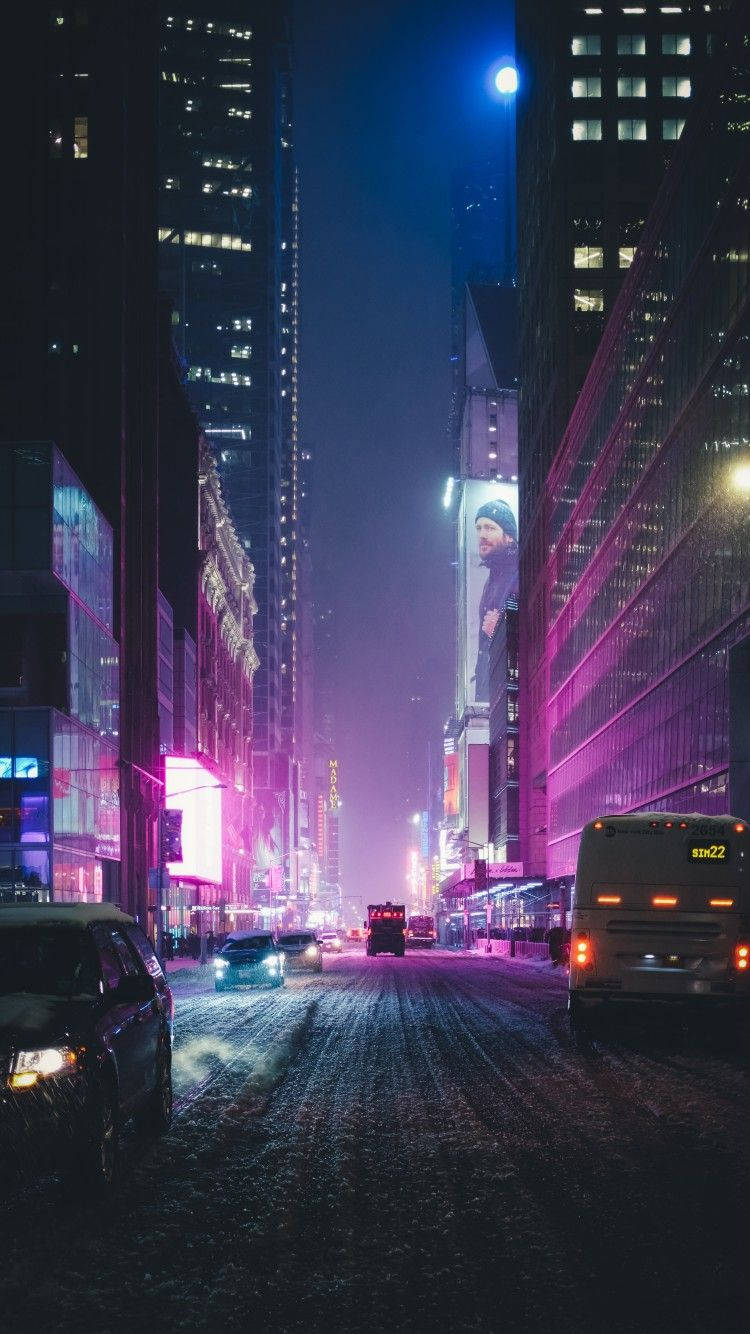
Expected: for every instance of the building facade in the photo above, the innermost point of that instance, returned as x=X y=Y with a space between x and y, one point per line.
x=227 y=663
x=229 y=242
x=604 y=93
x=648 y=499
x=59 y=686
x=79 y=329
x=504 y=827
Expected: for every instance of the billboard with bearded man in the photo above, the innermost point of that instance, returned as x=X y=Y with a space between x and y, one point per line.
x=488 y=566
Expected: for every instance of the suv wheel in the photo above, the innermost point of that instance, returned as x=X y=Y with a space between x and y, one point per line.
x=97 y=1147
x=157 y=1113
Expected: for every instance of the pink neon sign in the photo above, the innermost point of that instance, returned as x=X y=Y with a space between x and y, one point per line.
x=192 y=789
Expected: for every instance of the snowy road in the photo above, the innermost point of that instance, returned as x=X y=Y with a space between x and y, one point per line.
x=408 y=1144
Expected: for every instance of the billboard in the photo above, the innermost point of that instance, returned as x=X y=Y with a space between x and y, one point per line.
x=488 y=573
x=451 y=784
x=192 y=789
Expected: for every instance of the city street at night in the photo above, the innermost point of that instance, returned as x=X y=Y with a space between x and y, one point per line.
x=407 y=1143
x=375 y=668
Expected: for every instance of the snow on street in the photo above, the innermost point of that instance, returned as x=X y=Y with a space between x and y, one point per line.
x=407 y=1144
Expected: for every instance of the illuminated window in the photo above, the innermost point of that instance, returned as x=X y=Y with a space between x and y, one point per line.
x=241 y=350
x=631 y=44
x=81 y=136
x=588 y=299
x=675 y=44
x=245 y=324
x=674 y=87
x=588 y=257
x=210 y=240
x=672 y=128
x=631 y=129
x=631 y=87
x=171 y=182
x=625 y=256
x=589 y=87
x=588 y=45
x=584 y=130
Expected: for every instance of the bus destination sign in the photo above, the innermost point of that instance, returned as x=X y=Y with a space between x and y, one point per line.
x=703 y=850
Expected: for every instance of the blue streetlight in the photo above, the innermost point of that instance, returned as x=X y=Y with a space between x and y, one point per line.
x=506 y=80
x=502 y=79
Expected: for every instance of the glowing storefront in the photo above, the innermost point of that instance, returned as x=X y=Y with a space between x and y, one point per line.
x=59 y=690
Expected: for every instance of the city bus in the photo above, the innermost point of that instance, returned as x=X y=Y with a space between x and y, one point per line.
x=661 y=913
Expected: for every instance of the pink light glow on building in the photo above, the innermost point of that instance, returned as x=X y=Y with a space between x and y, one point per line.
x=192 y=789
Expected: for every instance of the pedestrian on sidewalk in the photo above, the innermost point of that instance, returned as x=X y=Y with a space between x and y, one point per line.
x=210 y=942
x=555 y=941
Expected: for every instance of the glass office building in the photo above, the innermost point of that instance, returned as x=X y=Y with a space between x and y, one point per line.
x=59 y=701
x=649 y=571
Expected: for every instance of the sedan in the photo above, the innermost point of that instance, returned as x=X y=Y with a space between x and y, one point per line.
x=301 y=950
x=330 y=942
x=249 y=958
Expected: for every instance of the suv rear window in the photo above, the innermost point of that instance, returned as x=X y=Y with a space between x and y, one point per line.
x=300 y=939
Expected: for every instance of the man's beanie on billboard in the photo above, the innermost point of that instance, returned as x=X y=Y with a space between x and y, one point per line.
x=501 y=514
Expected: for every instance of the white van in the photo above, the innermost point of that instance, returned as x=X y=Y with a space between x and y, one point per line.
x=661 y=913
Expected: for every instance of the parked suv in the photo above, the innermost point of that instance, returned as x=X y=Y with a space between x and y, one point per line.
x=85 y=1035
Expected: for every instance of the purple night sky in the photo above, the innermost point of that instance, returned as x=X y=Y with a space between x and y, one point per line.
x=390 y=98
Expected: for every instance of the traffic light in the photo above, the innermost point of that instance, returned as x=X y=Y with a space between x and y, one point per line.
x=480 y=876
x=171 y=836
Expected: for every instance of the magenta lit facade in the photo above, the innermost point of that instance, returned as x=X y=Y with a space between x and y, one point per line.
x=648 y=572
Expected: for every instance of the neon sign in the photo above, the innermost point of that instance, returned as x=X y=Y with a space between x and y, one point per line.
x=333 y=785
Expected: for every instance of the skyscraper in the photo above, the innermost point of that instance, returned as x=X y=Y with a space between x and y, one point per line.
x=482 y=197
x=79 y=326
x=228 y=228
x=604 y=94
x=649 y=501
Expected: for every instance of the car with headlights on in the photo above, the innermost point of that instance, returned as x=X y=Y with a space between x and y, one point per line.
x=301 y=950
x=85 y=1038
x=249 y=958
x=330 y=942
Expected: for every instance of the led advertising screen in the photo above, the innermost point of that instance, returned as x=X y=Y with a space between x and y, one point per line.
x=488 y=565
x=192 y=789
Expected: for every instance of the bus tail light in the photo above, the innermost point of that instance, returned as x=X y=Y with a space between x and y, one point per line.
x=721 y=903
x=609 y=900
x=664 y=901
x=582 y=956
x=742 y=956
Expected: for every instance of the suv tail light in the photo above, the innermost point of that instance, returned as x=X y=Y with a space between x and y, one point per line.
x=742 y=956
x=582 y=950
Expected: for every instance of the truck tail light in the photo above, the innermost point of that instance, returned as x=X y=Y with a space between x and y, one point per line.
x=582 y=950
x=742 y=956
